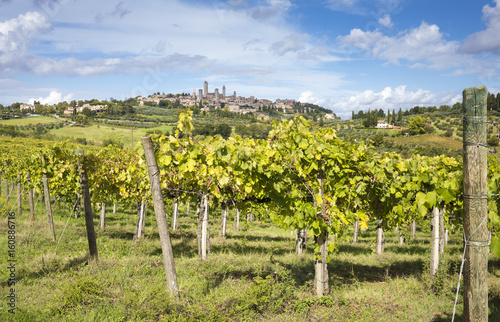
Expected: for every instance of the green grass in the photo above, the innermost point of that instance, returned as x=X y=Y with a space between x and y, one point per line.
x=97 y=133
x=30 y=120
x=252 y=274
x=431 y=140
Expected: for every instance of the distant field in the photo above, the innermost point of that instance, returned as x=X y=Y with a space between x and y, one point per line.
x=429 y=140
x=93 y=133
x=31 y=120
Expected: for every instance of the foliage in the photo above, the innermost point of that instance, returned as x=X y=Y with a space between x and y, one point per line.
x=416 y=125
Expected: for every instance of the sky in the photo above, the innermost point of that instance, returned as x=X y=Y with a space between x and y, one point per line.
x=345 y=55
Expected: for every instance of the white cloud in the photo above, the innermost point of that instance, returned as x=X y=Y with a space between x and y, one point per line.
x=291 y=43
x=385 y=21
x=272 y=9
x=53 y=98
x=388 y=98
x=423 y=45
x=17 y=33
x=308 y=97
x=486 y=40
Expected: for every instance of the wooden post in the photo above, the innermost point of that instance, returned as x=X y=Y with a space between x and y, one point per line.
x=402 y=238
x=19 y=196
x=237 y=219
x=48 y=206
x=87 y=208
x=142 y=210
x=379 y=244
x=204 y=227
x=413 y=229
x=441 y=232
x=6 y=190
x=103 y=214
x=30 y=199
x=434 y=263
x=175 y=216
x=223 y=219
x=161 y=219
x=320 y=265
x=301 y=242
x=475 y=205
x=114 y=208
x=356 y=232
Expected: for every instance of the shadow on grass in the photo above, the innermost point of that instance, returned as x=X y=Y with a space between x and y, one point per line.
x=51 y=267
x=407 y=249
x=355 y=249
x=184 y=243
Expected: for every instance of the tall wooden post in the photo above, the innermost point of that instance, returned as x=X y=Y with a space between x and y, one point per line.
x=30 y=199
x=19 y=196
x=161 y=219
x=320 y=265
x=175 y=216
x=48 y=206
x=379 y=244
x=224 y=219
x=237 y=219
x=475 y=205
x=434 y=263
x=356 y=232
x=102 y=215
x=204 y=227
x=87 y=208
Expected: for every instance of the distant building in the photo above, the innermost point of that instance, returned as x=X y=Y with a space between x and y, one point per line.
x=26 y=106
x=382 y=124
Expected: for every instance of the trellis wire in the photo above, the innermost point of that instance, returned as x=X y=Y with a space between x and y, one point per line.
x=67 y=221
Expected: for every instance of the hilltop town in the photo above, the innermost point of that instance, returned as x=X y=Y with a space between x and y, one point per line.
x=201 y=98
x=233 y=103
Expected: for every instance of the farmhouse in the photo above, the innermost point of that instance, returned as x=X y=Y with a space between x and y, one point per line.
x=381 y=124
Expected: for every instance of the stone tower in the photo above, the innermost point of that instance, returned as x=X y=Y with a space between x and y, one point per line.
x=205 y=88
x=223 y=91
x=216 y=93
x=200 y=95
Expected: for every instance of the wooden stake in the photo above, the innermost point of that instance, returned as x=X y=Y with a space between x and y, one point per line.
x=434 y=242
x=175 y=217
x=30 y=199
x=19 y=196
x=475 y=205
x=48 y=206
x=356 y=232
x=87 y=208
x=161 y=219
x=379 y=245
x=102 y=216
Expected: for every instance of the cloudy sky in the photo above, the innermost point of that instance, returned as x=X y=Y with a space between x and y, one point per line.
x=341 y=54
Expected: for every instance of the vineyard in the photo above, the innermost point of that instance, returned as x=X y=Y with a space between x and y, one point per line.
x=300 y=225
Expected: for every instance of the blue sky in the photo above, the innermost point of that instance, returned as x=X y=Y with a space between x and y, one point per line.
x=341 y=54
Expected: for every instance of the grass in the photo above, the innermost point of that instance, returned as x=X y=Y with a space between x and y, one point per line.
x=252 y=274
x=30 y=120
x=97 y=133
x=431 y=140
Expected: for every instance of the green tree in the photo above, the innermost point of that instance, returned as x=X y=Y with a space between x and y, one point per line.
x=378 y=139
x=416 y=125
x=493 y=141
